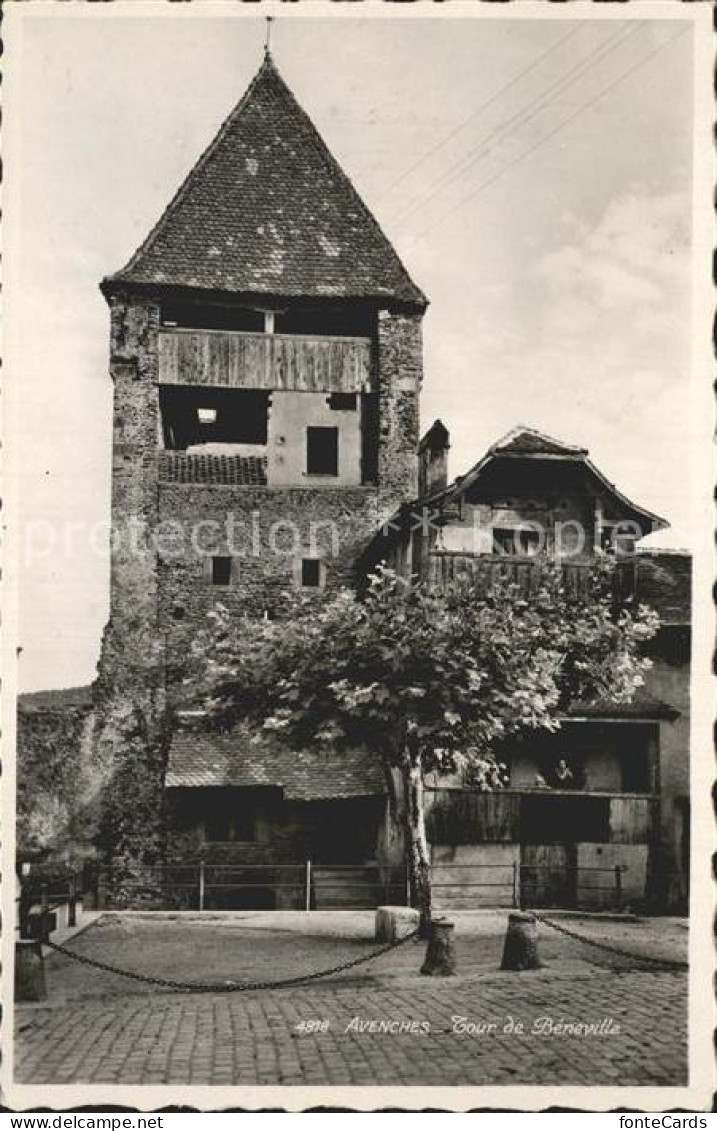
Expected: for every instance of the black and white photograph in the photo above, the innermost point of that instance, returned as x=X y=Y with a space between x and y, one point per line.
x=358 y=418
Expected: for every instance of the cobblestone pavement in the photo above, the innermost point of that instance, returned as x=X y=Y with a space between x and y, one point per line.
x=515 y=1028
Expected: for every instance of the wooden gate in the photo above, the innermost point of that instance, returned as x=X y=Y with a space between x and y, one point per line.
x=548 y=875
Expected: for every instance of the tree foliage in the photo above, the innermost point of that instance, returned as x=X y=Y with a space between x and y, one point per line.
x=426 y=680
x=456 y=672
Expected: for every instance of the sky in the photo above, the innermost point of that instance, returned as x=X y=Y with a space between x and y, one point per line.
x=533 y=174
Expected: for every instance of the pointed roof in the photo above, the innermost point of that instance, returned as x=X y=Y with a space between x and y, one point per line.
x=267 y=209
x=527 y=443
x=436 y=439
x=522 y=441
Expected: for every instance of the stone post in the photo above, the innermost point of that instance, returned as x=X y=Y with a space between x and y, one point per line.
x=521 y=943
x=29 y=971
x=394 y=923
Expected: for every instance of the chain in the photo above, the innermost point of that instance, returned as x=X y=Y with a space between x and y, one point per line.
x=668 y=963
x=230 y=987
x=303 y=979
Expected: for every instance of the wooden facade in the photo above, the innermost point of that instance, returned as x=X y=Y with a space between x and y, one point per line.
x=513 y=847
x=446 y=568
x=238 y=359
x=463 y=816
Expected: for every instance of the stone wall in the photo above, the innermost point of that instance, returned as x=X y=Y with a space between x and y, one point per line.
x=267 y=532
x=165 y=535
x=131 y=732
x=162 y=597
x=90 y=781
x=400 y=355
x=59 y=779
x=130 y=639
x=669 y=681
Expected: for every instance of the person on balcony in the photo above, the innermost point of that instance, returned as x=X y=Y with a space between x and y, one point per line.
x=564 y=776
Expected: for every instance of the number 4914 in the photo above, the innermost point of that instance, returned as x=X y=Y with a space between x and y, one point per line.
x=313 y=1025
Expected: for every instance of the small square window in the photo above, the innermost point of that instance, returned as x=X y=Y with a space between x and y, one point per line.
x=221 y=571
x=322 y=451
x=311 y=573
x=207 y=415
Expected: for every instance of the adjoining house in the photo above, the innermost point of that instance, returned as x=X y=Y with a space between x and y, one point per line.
x=266 y=356
x=610 y=789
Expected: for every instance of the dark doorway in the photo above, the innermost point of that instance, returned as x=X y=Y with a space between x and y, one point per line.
x=345 y=831
x=548 y=875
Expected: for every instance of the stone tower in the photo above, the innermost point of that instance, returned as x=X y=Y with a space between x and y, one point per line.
x=266 y=356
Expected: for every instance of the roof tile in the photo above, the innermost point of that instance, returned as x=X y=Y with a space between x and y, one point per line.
x=199 y=758
x=180 y=467
x=268 y=210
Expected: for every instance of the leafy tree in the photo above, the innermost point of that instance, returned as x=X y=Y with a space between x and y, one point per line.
x=428 y=680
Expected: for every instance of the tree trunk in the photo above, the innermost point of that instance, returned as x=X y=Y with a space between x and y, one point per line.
x=416 y=840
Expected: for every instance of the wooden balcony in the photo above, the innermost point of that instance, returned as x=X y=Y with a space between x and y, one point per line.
x=465 y=816
x=264 y=361
x=448 y=568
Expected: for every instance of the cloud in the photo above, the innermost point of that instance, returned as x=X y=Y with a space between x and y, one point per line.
x=590 y=344
x=633 y=265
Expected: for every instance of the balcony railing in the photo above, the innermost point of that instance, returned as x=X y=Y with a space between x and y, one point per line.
x=448 y=568
x=465 y=816
x=264 y=361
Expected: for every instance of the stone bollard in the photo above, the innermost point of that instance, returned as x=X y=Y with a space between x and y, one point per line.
x=440 y=961
x=521 y=943
x=29 y=971
x=394 y=923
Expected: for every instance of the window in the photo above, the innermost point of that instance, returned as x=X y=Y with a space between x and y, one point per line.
x=221 y=571
x=311 y=573
x=326 y=321
x=196 y=416
x=342 y=402
x=212 y=316
x=322 y=451
x=515 y=542
x=231 y=824
x=619 y=539
x=242 y=814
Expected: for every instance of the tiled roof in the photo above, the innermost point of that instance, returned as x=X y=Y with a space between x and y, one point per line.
x=246 y=471
x=527 y=441
x=664 y=582
x=268 y=210
x=58 y=699
x=198 y=758
x=642 y=706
